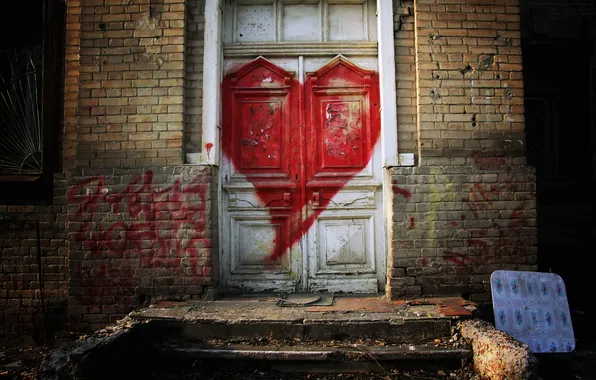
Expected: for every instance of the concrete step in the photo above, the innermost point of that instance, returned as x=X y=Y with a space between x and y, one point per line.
x=348 y=318
x=351 y=335
x=402 y=331
x=351 y=352
x=320 y=357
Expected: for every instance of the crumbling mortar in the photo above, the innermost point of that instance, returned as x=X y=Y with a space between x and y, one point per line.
x=404 y=9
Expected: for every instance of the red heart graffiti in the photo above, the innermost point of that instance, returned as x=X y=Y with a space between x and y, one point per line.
x=299 y=145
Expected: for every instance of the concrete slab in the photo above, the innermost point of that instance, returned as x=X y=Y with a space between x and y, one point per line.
x=337 y=352
x=265 y=307
x=348 y=317
x=352 y=334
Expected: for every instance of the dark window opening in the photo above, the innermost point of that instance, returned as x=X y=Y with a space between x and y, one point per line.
x=31 y=78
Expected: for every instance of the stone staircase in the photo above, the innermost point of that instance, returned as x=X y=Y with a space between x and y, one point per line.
x=365 y=333
x=353 y=334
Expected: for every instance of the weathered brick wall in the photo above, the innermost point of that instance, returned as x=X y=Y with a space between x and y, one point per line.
x=140 y=225
x=131 y=83
x=454 y=225
x=469 y=208
x=20 y=295
x=470 y=88
x=405 y=75
x=193 y=85
x=137 y=234
x=71 y=83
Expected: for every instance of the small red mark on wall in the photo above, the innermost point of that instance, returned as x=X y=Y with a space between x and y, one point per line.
x=412 y=222
x=400 y=190
x=403 y=192
x=208 y=146
x=459 y=259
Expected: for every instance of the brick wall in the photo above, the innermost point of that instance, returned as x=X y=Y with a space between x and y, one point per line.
x=454 y=225
x=405 y=75
x=131 y=83
x=71 y=83
x=137 y=234
x=470 y=207
x=20 y=294
x=470 y=88
x=140 y=225
x=193 y=86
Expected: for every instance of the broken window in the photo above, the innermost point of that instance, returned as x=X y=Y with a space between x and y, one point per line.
x=21 y=139
x=31 y=76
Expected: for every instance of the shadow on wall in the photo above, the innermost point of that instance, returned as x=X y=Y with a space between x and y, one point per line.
x=559 y=55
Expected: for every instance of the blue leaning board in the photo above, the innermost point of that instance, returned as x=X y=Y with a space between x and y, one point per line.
x=532 y=307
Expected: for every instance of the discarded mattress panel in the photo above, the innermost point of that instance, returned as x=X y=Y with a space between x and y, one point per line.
x=532 y=307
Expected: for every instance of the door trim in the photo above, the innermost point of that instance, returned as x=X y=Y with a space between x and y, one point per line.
x=213 y=74
x=292 y=49
x=211 y=153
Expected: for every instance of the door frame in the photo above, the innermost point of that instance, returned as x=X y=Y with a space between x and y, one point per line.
x=211 y=111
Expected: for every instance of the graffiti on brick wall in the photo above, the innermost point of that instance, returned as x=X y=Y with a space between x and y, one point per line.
x=510 y=238
x=505 y=237
x=144 y=226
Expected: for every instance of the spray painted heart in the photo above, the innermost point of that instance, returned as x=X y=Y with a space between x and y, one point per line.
x=298 y=145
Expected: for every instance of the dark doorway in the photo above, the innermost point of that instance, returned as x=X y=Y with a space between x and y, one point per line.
x=561 y=143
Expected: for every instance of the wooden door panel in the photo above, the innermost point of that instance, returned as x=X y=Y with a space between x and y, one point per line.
x=345 y=244
x=342 y=140
x=261 y=159
x=261 y=138
x=342 y=121
x=255 y=236
x=342 y=181
x=261 y=141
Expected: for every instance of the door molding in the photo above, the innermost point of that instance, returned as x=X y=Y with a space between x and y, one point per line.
x=293 y=49
x=211 y=152
x=213 y=74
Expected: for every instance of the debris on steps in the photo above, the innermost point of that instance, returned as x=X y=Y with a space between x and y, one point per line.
x=497 y=356
x=151 y=348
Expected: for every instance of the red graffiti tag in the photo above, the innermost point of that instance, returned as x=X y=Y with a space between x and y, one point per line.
x=481 y=197
x=299 y=145
x=486 y=244
x=165 y=226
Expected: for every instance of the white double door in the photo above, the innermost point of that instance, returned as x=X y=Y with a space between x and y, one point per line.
x=301 y=176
